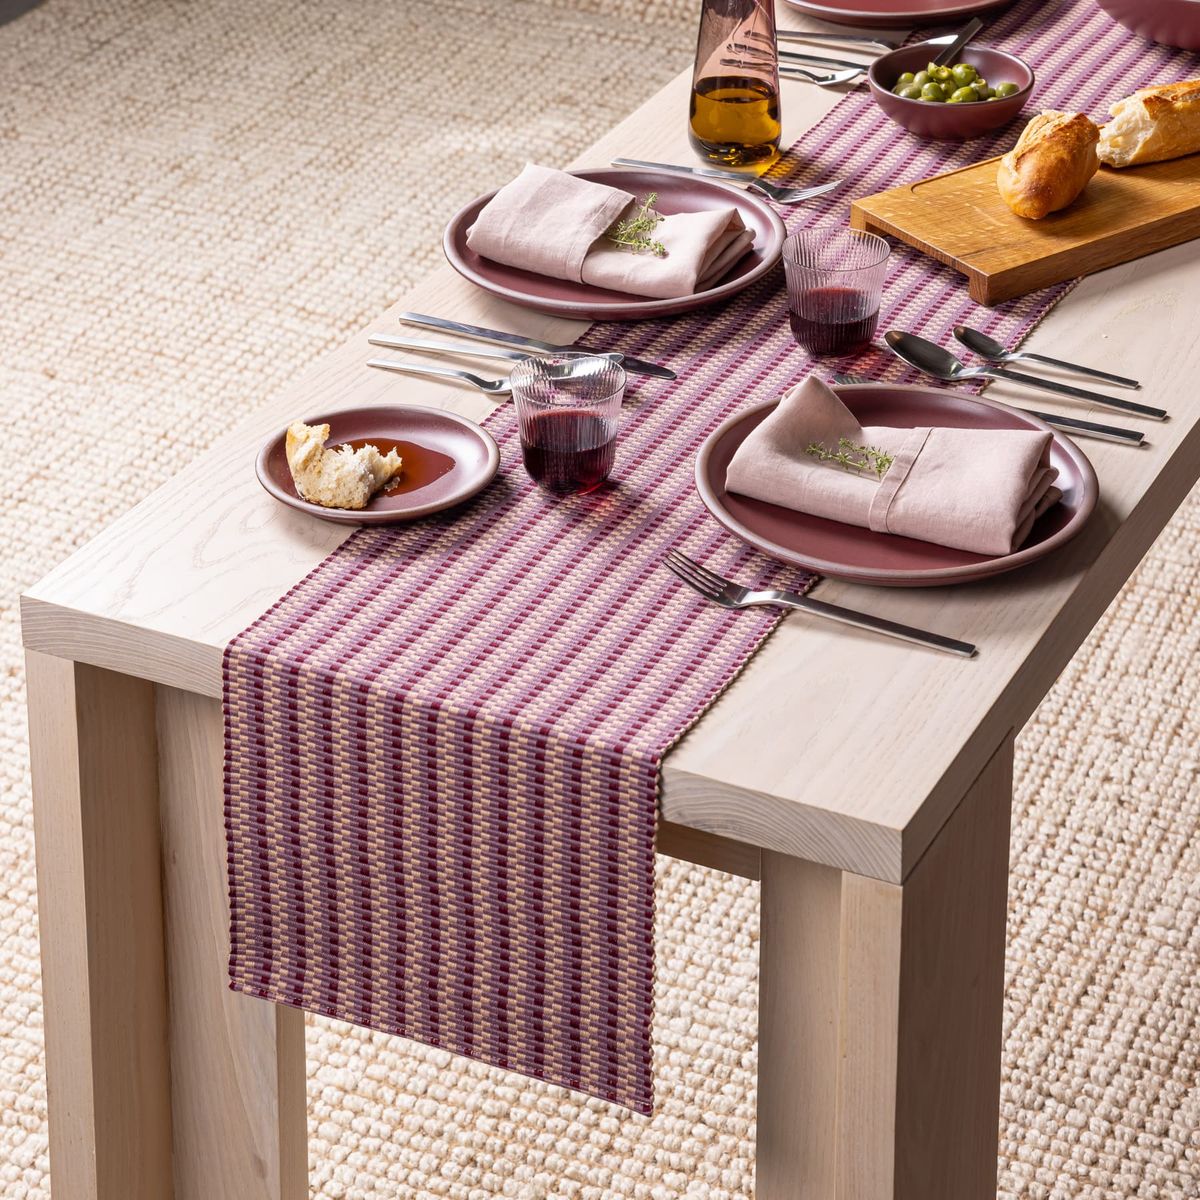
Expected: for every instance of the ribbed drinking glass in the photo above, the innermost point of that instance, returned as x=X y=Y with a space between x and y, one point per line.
x=568 y=414
x=835 y=280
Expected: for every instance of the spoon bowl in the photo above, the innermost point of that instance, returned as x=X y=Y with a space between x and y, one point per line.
x=929 y=358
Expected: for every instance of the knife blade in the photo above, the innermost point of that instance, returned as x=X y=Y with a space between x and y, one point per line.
x=636 y=365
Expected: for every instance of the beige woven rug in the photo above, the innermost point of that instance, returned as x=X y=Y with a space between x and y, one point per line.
x=197 y=199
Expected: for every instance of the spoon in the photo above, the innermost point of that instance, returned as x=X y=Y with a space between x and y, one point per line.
x=946 y=57
x=930 y=358
x=493 y=387
x=993 y=351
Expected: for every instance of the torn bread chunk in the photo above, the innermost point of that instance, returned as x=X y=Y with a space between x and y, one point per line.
x=1153 y=124
x=338 y=478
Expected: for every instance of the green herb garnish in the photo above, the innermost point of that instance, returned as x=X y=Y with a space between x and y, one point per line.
x=634 y=232
x=851 y=456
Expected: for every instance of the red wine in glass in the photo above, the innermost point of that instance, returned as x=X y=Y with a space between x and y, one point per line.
x=568 y=451
x=834 y=320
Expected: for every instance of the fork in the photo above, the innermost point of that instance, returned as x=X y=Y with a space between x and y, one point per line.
x=834 y=77
x=773 y=191
x=727 y=594
x=1109 y=433
x=493 y=387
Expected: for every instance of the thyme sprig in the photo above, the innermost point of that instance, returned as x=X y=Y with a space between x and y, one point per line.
x=634 y=232
x=852 y=456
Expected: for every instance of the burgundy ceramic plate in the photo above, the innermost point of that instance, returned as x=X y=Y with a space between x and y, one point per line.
x=893 y=14
x=447 y=459
x=676 y=193
x=1171 y=22
x=848 y=552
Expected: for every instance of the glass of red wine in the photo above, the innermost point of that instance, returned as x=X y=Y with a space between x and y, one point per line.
x=568 y=413
x=835 y=284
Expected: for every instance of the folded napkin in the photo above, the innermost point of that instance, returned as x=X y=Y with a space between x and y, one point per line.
x=554 y=224
x=978 y=490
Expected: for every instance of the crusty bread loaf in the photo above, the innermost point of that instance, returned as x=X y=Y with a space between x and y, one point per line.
x=341 y=478
x=1153 y=124
x=1050 y=165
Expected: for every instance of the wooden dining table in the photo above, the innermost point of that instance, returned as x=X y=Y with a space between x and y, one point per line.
x=867 y=784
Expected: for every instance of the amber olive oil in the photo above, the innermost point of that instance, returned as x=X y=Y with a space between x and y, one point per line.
x=735 y=120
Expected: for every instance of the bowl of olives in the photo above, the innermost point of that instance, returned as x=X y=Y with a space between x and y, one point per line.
x=983 y=90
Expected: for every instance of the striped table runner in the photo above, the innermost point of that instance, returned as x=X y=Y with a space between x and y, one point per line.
x=443 y=746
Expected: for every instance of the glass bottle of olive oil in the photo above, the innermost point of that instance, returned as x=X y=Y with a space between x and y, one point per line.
x=734 y=117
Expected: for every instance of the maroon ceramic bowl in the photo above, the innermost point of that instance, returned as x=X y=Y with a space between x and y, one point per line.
x=1171 y=22
x=951 y=122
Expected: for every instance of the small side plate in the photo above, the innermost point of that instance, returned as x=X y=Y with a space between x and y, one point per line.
x=448 y=459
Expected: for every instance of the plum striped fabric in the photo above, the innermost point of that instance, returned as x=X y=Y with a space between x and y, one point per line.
x=443 y=746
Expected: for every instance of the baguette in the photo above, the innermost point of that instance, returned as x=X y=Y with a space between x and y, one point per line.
x=1153 y=124
x=1050 y=165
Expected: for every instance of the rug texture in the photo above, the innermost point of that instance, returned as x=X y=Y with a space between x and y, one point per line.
x=198 y=199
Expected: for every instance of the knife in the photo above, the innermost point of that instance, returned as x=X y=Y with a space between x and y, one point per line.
x=636 y=365
x=403 y=343
x=1109 y=433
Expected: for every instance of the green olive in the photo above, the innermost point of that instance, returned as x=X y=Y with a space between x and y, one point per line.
x=1006 y=89
x=948 y=89
x=920 y=79
x=932 y=91
x=942 y=74
x=910 y=92
x=985 y=92
x=963 y=95
x=963 y=74
x=905 y=79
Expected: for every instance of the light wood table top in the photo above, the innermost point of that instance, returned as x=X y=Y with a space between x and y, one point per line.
x=833 y=746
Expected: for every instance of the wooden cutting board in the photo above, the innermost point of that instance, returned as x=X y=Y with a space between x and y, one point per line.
x=960 y=219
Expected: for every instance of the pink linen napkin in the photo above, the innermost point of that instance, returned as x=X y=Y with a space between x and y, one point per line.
x=554 y=224
x=978 y=490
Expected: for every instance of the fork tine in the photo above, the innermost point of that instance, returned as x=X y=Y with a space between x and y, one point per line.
x=690 y=573
x=687 y=570
x=682 y=573
x=706 y=573
x=712 y=582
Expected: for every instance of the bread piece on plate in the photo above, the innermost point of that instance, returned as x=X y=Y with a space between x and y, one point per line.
x=1050 y=165
x=1153 y=124
x=340 y=478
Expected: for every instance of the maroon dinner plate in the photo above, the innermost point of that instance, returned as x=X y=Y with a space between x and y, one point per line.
x=447 y=459
x=887 y=14
x=564 y=297
x=850 y=552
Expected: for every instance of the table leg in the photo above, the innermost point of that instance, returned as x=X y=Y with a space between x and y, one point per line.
x=95 y=809
x=880 y=1017
x=163 y=1084
x=237 y=1063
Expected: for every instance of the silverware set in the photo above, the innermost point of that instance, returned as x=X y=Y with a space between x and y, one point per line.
x=1111 y=433
x=496 y=344
x=716 y=589
x=773 y=191
x=939 y=363
x=795 y=64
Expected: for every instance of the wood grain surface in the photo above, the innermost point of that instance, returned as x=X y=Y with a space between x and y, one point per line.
x=959 y=219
